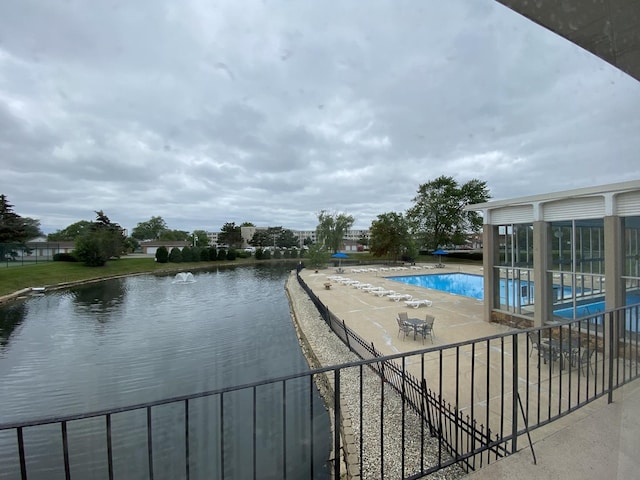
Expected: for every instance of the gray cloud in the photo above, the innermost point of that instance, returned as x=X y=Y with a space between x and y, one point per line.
x=269 y=112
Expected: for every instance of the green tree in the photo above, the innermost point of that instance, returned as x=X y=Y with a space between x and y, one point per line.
x=102 y=241
x=70 y=233
x=331 y=229
x=317 y=256
x=187 y=254
x=176 y=255
x=32 y=228
x=199 y=238
x=390 y=236
x=287 y=239
x=12 y=225
x=149 y=230
x=438 y=216
x=162 y=254
x=274 y=236
x=261 y=238
x=231 y=235
x=174 y=235
x=131 y=244
x=13 y=229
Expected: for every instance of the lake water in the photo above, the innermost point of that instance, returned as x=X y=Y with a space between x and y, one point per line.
x=146 y=338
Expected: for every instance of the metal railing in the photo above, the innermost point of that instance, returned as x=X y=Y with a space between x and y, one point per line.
x=501 y=387
x=455 y=406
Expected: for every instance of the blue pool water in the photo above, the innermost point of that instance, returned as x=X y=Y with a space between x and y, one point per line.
x=472 y=286
x=456 y=283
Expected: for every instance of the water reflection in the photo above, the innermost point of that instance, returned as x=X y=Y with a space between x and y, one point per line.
x=100 y=298
x=140 y=339
x=10 y=318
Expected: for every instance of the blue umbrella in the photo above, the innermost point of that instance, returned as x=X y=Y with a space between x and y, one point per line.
x=339 y=256
x=440 y=252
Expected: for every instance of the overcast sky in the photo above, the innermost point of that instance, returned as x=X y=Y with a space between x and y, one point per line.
x=204 y=112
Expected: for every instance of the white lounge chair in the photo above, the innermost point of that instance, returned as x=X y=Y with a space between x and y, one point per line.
x=418 y=303
x=371 y=288
x=382 y=293
x=396 y=297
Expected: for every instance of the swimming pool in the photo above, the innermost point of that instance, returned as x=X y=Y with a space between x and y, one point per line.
x=457 y=283
x=594 y=308
x=472 y=286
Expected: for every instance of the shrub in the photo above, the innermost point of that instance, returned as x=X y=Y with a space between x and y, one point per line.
x=266 y=254
x=187 y=254
x=90 y=250
x=222 y=254
x=162 y=254
x=286 y=254
x=277 y=254
x=64 y=257
x=213 y=254
x=259 y=254
x=196 y=254
x=231 y=254
x=176 y=255
x=204 y=255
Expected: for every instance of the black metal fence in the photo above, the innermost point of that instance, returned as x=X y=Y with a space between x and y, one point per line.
x=478 y=397
x=454 y=406
x=17 y=254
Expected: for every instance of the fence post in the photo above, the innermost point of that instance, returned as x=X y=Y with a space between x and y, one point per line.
x=514 y=400
x=611 y=353
x=336 y=423
x=346 y=334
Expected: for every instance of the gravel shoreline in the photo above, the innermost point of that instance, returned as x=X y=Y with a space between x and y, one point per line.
x=323 y=348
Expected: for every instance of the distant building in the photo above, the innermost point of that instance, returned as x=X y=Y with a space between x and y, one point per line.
x=151 y=247
x=350 y=239
x=41 y=247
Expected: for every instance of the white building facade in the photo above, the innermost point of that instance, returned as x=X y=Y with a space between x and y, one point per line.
x=563 y=255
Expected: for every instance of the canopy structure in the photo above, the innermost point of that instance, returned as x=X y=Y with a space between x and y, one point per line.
x=339 y=256
x=439 y=253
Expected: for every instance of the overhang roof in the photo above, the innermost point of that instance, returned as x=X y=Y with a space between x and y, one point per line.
x=612 y=188
x=609 y=29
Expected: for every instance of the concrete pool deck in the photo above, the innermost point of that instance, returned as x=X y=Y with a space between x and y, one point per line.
x=589 y=430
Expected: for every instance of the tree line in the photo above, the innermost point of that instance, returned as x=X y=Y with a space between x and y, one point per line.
x=437 y=218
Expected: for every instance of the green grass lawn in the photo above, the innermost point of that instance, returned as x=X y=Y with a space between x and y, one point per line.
x=49 y=274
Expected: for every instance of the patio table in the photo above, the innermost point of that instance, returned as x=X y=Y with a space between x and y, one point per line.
x=565 y=349
x=415 y=323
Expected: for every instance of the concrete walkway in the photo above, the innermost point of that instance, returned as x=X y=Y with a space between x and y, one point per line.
x=602 y=445
x=598 y=440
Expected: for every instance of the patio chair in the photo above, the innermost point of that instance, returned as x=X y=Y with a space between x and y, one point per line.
x=544 y=351
x=427 y=328
x=582 y=359
x=402 y=326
